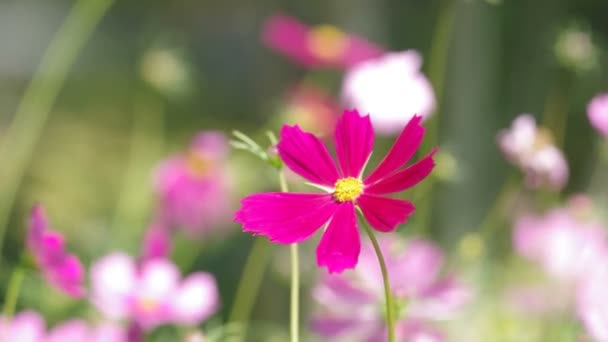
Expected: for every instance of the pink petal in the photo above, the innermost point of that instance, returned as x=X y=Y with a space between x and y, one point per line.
x=196 y=299
x=400 y=153
x=285 y=217
x=157 y=242
x=306 y=155
x=73 y=331
x=406 y=178
x=38 y=224
x=113 y=279
x=383 y=213
x=419 y=268
x=68 y=276
x=340 y=245
x=158 y=280
x=27 y=326
x=354 y=142
x=290 y=37
x=360 y=50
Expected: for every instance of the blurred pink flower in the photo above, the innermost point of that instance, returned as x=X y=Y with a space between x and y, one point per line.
x=62 y=270
x=592 y=303
x=157 y=242
x=391 y=88
x=564 y=245
x=531 y=149
x=352 y=304
x=597 y=111
x=311 y=108
x=317 y=47
x=153 y=294
x=29 y=326
x=193 y=187
x=293 y=217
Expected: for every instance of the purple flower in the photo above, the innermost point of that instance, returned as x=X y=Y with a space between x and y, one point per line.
x=317 y=47
x=193 y=187
x=531 y=149
x=152 y=294
x=61 y=269
x=391 y=88
x=351 y=304
x=597 y=111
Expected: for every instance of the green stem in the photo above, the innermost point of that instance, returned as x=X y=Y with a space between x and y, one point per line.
x=33 y=110
x=12 y=293
x=390 y=316
x=495 y=214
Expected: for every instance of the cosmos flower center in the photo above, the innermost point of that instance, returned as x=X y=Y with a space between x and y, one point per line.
x=147 y=304
x=198 y=164
x=327 y=42
x=347 y=189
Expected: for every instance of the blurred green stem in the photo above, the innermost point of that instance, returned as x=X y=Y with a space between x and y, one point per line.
x=33 y=110
x=495 y=214
x=436 y=70
x=12 y=293
x=390 y=316
x=555 y=116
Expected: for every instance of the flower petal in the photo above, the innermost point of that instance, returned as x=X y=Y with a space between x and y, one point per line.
x=354 y=137
x=402 y=150
x=290 y=37
x=383 y=213
x=404 y=179
x=340 y=245
x=73 y=330
x=196 y=299
x=285 y=217
x=113 y=279
x=306 y=155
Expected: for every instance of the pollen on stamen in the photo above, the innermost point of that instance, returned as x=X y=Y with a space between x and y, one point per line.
x=347 y=189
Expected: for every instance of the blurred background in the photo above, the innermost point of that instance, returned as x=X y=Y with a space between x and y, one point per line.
x=150 y=75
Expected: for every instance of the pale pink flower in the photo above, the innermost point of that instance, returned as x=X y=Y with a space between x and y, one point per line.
x=152 y=294
x=193 y=187
x=531 y=149
x=592 y=303
x=27 y=326
x=391 y=89
x=597 y=111
x=62 y=270
x=565 y=246
x=311 y=108
x=317 y=47
x=351 y=304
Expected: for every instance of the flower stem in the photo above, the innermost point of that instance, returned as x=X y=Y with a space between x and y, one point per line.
x=390 y=317
x=12 y=293
x=32 y=112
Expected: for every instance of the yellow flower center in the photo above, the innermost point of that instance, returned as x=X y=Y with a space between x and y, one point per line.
x=147 y=304
x=199 y=165
x=327 y=42
x=348 y=189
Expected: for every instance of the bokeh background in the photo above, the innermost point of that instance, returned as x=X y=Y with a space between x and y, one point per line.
x=152 y=74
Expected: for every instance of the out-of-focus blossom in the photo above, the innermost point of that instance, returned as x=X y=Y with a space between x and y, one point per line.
x=321 y=46
x=566 y=246
x=157 y=242
x=293 y=217
x=597 y=111
x=152 y=294
x=311 y=108
x=575 y=50
x=166 y=70
x=351 y=304
x=29 y=326
x=193 y=187
x=62 y=270
x=391 y=88
x=592 y=303
x=532 y=150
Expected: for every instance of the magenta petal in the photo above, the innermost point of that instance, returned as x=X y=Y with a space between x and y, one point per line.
x=360 y=50
x=285 y=217
x=384 y=213
x=404 y=179
x=402 y=150
x=340 y=245
x=354 y=137
x=290 y=37
x=306 y=155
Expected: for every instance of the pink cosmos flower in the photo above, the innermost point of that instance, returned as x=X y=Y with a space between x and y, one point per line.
x=153 y=294
x=597 y=111
x=565 y=246
x=592 y=303
x=62 y=270
x=312 y=108
x=317 y=47
x=391 y=88
x=193 y=187
x=351 y=304
x=293 y=217
x=157 y=242
x=531 y=149
x=29 y=326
